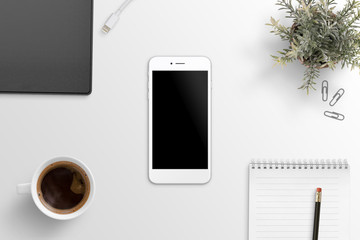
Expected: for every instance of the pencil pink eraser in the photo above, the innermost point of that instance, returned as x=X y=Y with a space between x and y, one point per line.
x=318 y=190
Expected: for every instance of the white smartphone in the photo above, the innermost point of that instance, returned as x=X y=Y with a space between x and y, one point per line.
x=179 y=120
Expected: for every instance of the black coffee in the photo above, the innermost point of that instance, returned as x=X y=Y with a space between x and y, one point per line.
x=63 y=187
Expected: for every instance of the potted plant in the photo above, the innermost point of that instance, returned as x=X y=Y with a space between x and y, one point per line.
x=319 y=37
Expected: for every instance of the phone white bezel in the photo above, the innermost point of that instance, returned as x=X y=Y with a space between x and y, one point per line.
x=179 y=176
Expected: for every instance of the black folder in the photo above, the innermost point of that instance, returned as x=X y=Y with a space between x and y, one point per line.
x=46 y=46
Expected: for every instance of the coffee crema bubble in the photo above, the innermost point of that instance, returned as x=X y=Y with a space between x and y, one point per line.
x=63 y=187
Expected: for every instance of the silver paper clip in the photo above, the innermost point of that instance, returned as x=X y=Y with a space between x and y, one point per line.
x=334 y=115
x=337 y=96
x=325 y=90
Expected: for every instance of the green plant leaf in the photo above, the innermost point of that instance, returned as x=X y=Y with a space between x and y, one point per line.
x=319 y=37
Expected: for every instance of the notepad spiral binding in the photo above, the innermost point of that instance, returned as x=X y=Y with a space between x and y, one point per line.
x=300 y=164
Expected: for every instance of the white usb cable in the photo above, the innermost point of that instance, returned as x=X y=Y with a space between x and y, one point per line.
x=114 y=18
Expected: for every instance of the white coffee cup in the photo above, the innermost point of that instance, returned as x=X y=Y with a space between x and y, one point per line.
x=31 y=188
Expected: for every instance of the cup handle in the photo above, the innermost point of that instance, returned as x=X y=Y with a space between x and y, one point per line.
x=24 y=188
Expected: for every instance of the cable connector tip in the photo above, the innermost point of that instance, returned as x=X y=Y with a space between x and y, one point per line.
x=105 y=29
x=110 y=23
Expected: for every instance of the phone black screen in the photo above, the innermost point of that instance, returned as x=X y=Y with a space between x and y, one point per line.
x=180 y=120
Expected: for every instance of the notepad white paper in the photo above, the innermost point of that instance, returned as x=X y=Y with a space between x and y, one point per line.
x=282 y=200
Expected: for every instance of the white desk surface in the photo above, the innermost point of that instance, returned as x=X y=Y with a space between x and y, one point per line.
x=258 y=112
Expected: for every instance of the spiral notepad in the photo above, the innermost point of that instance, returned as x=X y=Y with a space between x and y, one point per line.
x=282 y=199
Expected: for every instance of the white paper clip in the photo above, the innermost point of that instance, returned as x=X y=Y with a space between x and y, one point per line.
x=337 y=96
x=325 y=90
x=334 y=115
